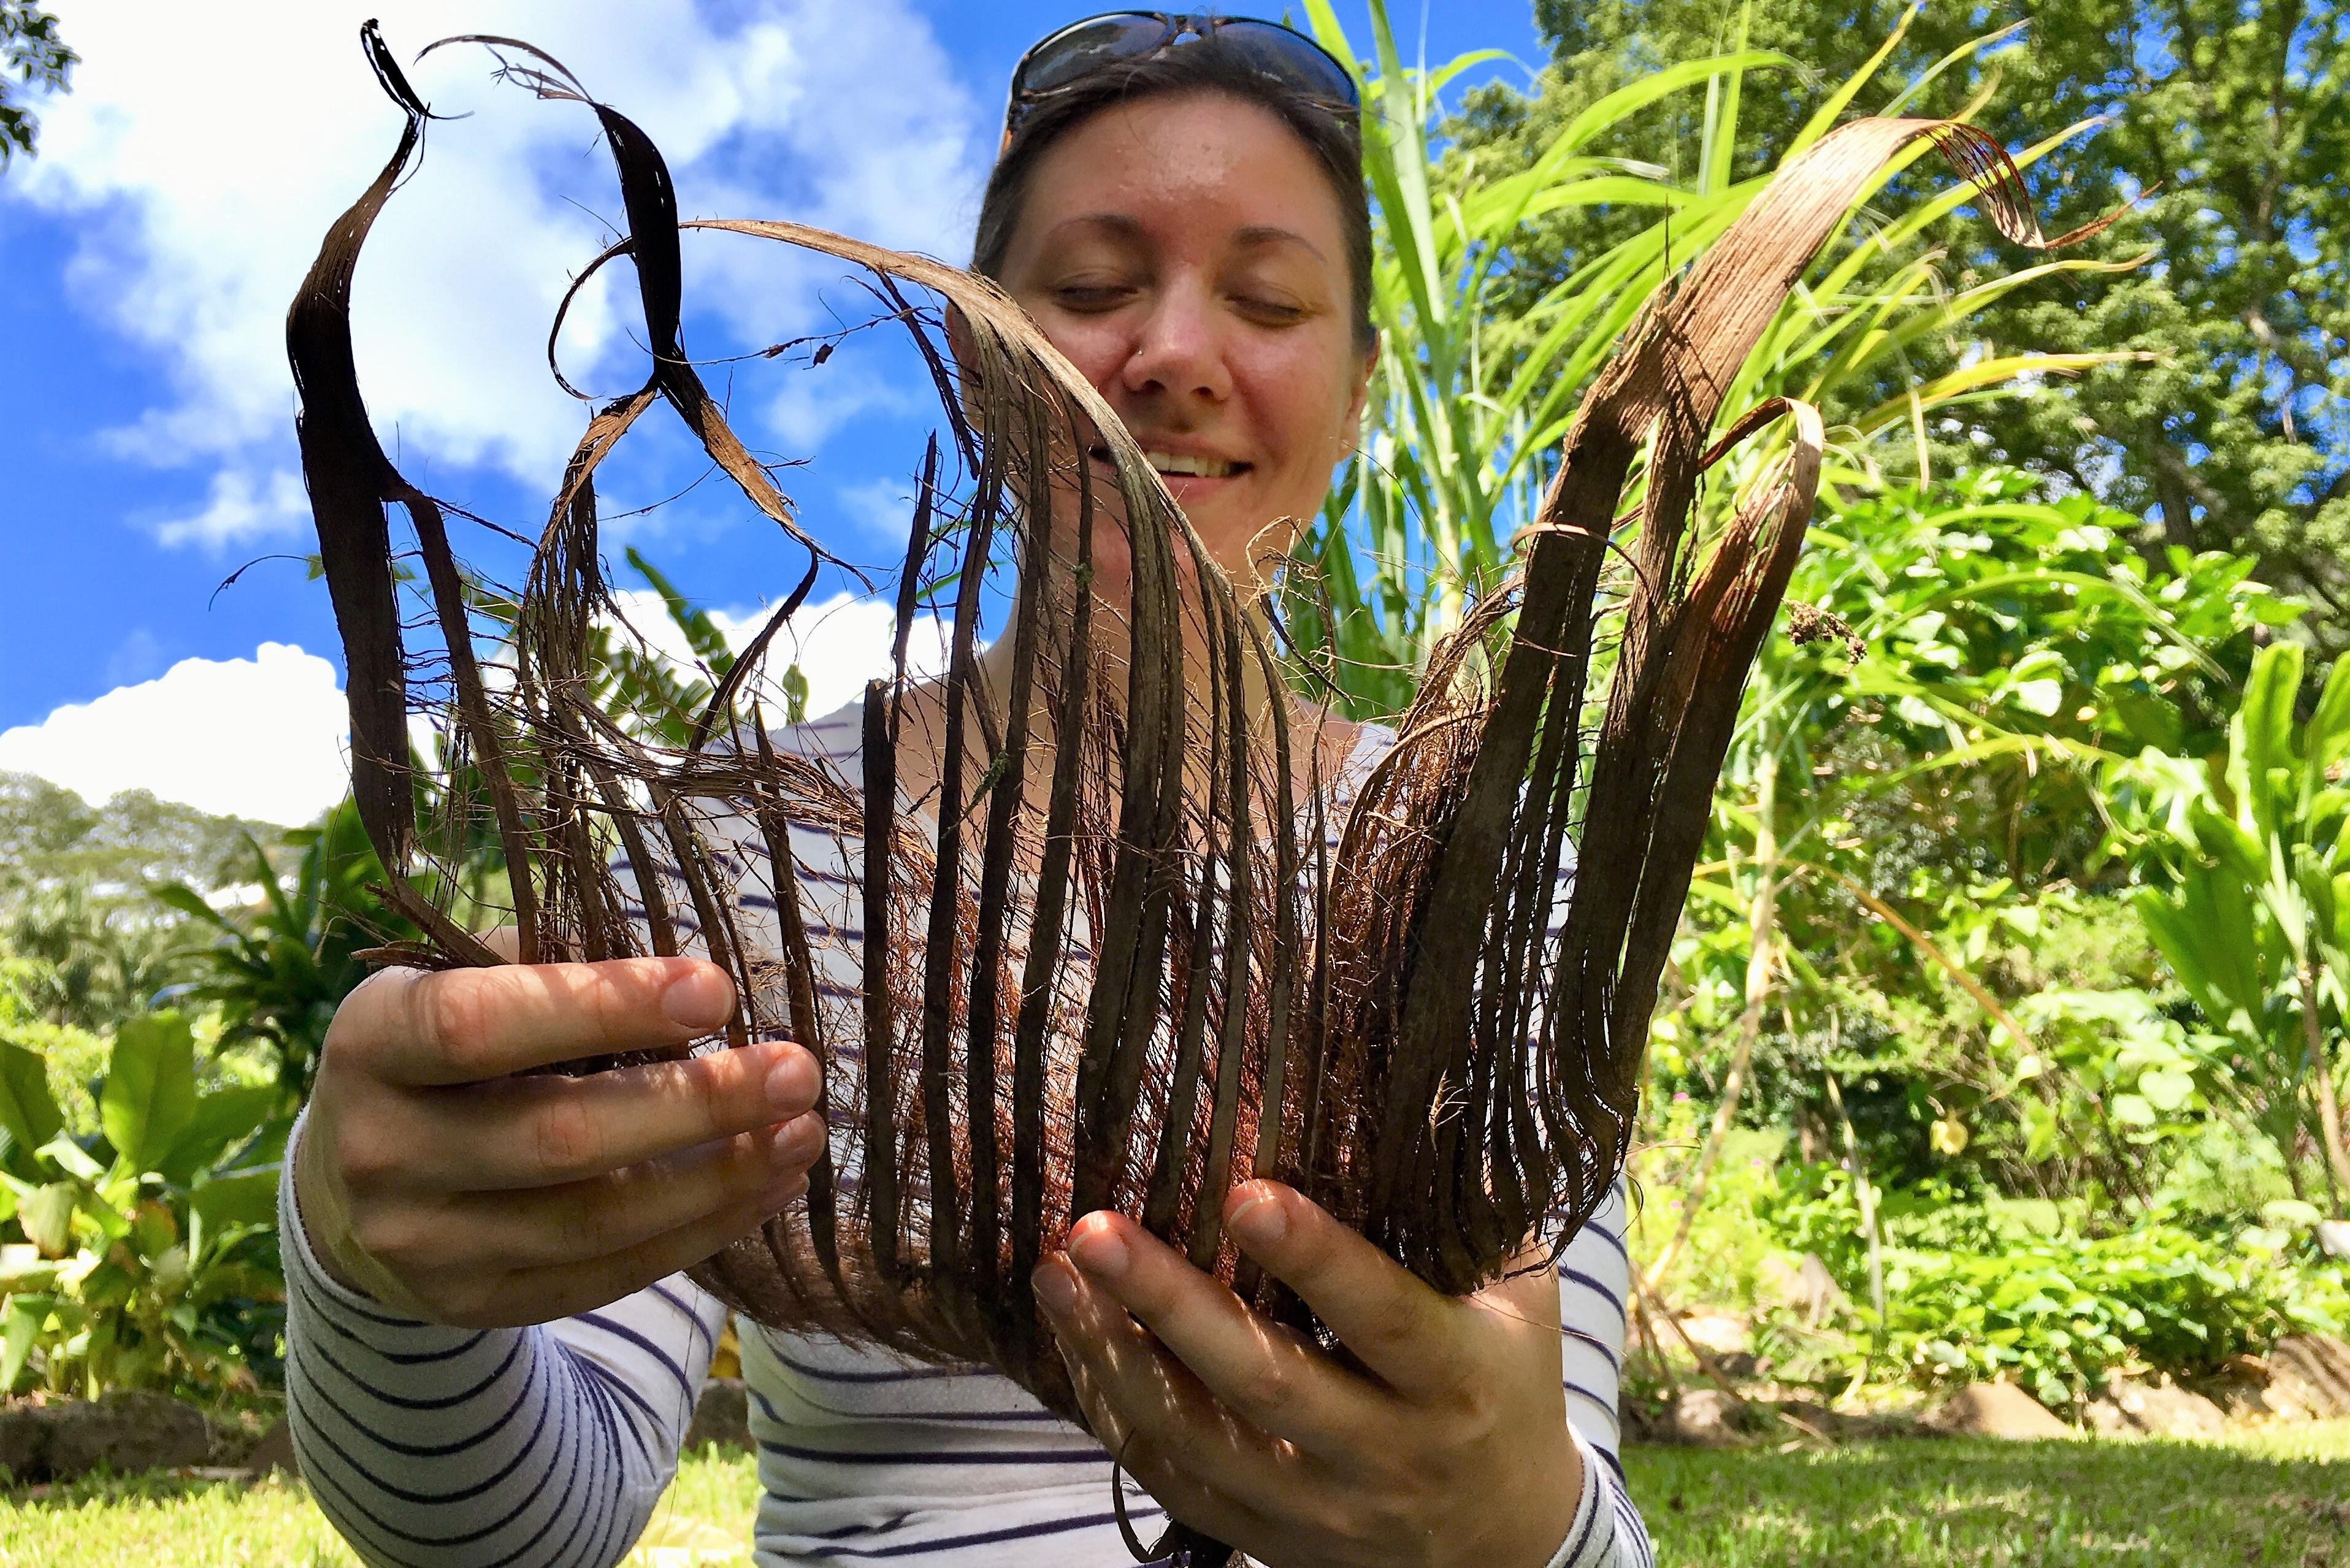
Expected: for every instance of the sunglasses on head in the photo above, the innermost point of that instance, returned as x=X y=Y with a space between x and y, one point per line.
x=1082 y=49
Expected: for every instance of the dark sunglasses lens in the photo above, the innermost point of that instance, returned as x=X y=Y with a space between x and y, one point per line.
x=1289 y=57
x=1086 y=47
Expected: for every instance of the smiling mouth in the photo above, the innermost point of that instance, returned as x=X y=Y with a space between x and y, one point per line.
x=1177 y=465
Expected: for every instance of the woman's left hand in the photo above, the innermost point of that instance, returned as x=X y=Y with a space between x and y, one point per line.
x=1448 y=1446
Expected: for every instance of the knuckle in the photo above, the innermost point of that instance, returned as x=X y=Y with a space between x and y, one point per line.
x=564 y=1140
x=723 y=1088
x=380 y=1005
x=363 y=1159
x=1391 y=1321
x=623 y=1001
x=450 y=1012
x=391 y=1237
x=750 y=1170
x=1268 y=1389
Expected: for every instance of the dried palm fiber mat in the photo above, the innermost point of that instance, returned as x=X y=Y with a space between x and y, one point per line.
x=1108 y=962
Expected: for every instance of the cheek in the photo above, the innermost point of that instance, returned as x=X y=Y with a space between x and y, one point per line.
x=1297 y=401
x=1096 y=346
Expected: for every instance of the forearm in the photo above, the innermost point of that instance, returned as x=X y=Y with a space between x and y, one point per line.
x=427 y=1444
x=1594 y=1277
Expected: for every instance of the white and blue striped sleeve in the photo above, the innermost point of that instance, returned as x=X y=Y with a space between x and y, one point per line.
x=1593 y=1279
x=511 y=1448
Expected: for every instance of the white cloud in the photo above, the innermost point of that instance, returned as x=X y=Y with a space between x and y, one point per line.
x=262 y=737
x=201 y=178
x=839 y=643
x=241 y=509
x=268 y=737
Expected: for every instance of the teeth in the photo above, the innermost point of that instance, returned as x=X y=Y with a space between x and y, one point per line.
x=1200 y=467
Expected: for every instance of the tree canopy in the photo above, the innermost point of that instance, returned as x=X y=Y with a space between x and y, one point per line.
x=2231 y=435
x=32 y=52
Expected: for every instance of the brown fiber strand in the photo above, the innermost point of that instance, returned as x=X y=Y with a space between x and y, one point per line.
x=1100 y=964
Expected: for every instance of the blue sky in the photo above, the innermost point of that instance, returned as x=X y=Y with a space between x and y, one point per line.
x=149 y=251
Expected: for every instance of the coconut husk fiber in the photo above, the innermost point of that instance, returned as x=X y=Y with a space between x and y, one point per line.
x=1107 y=959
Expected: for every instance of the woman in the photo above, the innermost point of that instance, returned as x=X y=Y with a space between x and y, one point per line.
x=1183 y=214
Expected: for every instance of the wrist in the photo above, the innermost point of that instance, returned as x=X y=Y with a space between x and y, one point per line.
x=322 y=1216
x=1556 y=1506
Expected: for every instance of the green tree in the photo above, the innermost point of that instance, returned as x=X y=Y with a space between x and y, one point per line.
x=2234 y=437
x=49 y=835
x=278 y=969
x=31 y=51
x=92 y=961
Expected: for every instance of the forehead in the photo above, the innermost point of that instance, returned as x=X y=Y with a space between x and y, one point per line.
x=1189 y=170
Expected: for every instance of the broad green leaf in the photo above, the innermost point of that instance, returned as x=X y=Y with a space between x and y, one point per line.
x=69 y=1156
x=48 y=1217
x=221 y=1120
x=150 y=1095
x=22 y=1268
x=2328 y=734
x=188 y=901
x=20 y=1325
x=246 y=1198
x=2262 y=733
x=27 y=1108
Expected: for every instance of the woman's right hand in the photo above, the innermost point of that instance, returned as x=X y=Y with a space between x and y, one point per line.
x=432 y=1179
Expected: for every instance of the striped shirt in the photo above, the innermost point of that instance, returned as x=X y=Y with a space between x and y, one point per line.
x=551 y=1445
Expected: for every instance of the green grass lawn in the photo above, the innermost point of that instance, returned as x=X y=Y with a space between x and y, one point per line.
x=2279 y=1499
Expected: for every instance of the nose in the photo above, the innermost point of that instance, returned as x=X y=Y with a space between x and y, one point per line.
x=1177 y=352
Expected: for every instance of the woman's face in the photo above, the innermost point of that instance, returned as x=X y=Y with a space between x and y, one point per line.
x=1187 y=255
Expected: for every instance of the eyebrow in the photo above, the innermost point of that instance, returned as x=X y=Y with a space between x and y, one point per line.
x=1252 y=237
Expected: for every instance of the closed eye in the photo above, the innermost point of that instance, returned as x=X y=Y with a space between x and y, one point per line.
x=1270 y=312
x=1092 y=296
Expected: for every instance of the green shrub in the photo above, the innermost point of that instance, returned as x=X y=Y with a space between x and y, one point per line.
x=2000 y=1289
x=143 y=1253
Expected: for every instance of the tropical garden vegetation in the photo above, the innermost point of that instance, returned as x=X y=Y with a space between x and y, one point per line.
x=2013 y=992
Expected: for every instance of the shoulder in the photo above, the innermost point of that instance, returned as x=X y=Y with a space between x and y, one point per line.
x=837 y=737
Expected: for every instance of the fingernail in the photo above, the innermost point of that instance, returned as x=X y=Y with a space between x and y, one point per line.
x=1099 y=1252
x=701 y=997
x=1057 y=1289
x=791 y=1082
x=1259 y=1221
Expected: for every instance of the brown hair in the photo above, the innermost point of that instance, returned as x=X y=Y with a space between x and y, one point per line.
x=1205 y=65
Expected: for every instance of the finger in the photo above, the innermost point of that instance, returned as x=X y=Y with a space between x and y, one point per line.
x=1403 y=1331
x=1202 y=1464
x=544 y=1131
x=466 y=1026
x=1261 y=1371
x=1175 y=1493
x=611 y=1214
x=541 y=1295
